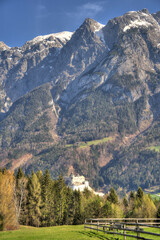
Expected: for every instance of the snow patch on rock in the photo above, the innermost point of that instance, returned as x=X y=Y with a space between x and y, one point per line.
x=61 y=35
x=130 y=12
x=137 y=24
x=99 y=31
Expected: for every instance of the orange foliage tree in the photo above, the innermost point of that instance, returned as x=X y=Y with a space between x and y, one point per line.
x=8 y=219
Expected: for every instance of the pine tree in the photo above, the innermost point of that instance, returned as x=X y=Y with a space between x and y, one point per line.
x=59 y=199
x=40 y=177
x=34 y=200
x=78 y=216
x=87 y=193
x=131 y=204
x=125 y=206
x=94 y=207
x=107 y=210
x=140 y=193
x=125 y=202
x=132 y=196
x=47 y=200
x=69 y=207
x=139 y=197
x=20 y=174
x=112 y=197
x=132 y=199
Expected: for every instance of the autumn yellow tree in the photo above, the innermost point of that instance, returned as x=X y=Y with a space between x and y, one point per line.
x=7 y=203
x=147 y=209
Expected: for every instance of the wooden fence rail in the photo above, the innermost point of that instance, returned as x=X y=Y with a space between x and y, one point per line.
x=120 y=226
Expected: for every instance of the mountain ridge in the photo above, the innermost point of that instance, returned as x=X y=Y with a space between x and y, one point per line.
x=99 y=82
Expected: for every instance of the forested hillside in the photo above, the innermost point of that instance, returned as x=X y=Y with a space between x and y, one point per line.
x=37 y=200
x=87 y=101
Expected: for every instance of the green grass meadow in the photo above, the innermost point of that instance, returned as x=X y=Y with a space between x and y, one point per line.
x=155 y=196
x=90 y=143
x=64 y=233
x=155 y=148
x=154 y=192
x=56 y=233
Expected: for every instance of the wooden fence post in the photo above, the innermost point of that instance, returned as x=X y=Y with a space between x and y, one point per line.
x=105 y=227
x=114 y=226
x=124 y=231
x=137 y=228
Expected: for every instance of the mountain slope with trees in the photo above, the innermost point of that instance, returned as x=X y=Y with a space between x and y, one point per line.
x=37 y=200
x=98 y=82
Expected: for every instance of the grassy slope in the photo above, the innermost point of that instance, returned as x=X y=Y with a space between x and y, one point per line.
x=154 y=192
x=90 y=143
x=56 y=233
x=156 y=196
x=155 y=148
x=62 y=233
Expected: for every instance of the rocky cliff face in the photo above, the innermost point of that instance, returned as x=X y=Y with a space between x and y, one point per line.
x=157 y=16
x=62 y=89
x=127 y=75
x=132 y=57
x=22 y=69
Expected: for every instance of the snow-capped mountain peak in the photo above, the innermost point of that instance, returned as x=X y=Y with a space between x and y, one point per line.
x=66 y=35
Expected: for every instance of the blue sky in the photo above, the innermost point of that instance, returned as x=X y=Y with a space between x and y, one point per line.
x=22 y=20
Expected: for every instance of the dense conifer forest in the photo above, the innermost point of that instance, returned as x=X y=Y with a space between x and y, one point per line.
x=37 y=200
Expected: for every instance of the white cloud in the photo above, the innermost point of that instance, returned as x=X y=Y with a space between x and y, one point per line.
x=92 y=7
x=87 y=10
x=42 y=11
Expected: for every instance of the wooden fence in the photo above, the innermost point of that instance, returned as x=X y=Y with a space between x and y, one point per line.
x=127 y=227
